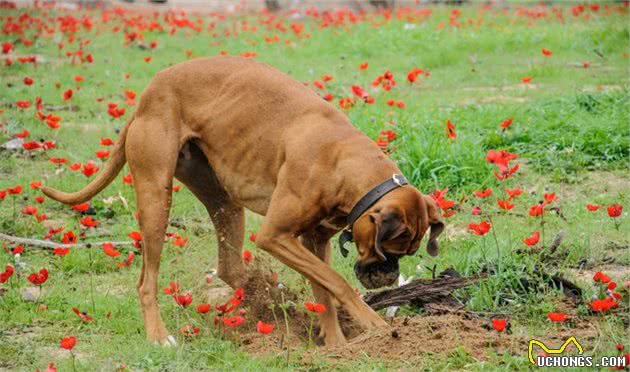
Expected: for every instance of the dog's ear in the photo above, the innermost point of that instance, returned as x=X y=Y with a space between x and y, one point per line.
x=435 y=222
x=388 y=225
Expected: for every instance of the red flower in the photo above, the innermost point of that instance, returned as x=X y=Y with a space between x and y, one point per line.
x=557 y=317
x=450 y=130
x=513 y=193
x=68 y=342
x=135 y=235
x=173 y=288
x=264 y=328
x=189 y=331
x=592 y=207
x=506 y=123
x=532 y=239
x=38 y=278
x=536 y=210
x=7 y=46
x=611 y=286
x=315 y=307
x=29 y=209
x=476 y=211
x=102 y=154
x=59 y=251
x=183 y=300
x=619 y=347
x=127 y=179
x=17 y=250
x=549 y=198
x=179 y=241
x=499 y=324
x=601 y=277
x=526 y=79
x=87 y=221
x=28 y=81
x=252 y=237
x=56 y=160
x=69 y=238
x=67 y=94
x=22 y=134
x=203 y=308
x=108 y=249
x=614 y=210
x=16 y=190
x=75 y=167
x=128 y=261
x=233 y=321
x=106 y=142
x=480 y=229
x=81 y=207
x=247 y=257
x=78 y=78
x=363 y=66
x=83 y=315
x=603 y=305
x=505 y=204
x=546 y=52
x=89 y=168
x=328 y=97
x=8 y=272
x=483 y=193
x=23 y=104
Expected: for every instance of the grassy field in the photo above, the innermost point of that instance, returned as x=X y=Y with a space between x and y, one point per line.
x=569 y=129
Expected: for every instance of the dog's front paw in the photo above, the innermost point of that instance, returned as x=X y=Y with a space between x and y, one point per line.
x=167 y=341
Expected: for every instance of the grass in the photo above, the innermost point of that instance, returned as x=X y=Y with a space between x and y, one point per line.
x=569 y=129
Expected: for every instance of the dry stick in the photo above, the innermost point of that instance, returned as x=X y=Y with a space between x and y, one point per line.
x=52 y=245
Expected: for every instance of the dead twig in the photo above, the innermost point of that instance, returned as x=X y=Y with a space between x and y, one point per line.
x=52 y=245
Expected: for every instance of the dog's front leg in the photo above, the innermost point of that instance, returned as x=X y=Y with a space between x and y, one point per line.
x=291 y=252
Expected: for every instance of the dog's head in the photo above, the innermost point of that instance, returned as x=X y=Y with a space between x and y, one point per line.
x=390 y=229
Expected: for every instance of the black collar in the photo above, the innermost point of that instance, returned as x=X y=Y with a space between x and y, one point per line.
x=366 y=202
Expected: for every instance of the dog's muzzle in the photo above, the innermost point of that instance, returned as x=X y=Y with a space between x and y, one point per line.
x=378 y=274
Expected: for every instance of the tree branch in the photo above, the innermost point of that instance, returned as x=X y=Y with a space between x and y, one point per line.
x=51 y=245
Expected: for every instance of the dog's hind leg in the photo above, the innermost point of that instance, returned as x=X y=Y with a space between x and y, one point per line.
x=152 y=155
x=317 y=241
x=228 y=218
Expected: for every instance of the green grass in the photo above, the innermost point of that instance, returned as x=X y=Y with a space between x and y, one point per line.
x=570 y=129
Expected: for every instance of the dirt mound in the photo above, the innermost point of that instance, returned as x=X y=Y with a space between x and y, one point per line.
x=410 y=338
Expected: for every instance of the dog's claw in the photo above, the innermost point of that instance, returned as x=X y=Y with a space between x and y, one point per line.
x=168 y=341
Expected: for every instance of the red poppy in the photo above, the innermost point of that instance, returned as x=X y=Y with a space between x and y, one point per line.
x=233 y=321
x=247 y=257
x=480 y=229
x=328 y=97
x=476 y=211
x=67 y=94
x=128 y=261
x=450 y=130
x=22 y=134
x=7 y=273
x=183 y=300
x=532 y=239
x=38 y=278
x=505 y=204
x=363 y=66
x=614 y=210
x=499 y=324
x=546 y=52
x=69 y=238
x=619 y=347
x=513 y=193
x=89 y=169
x=75 y=167
x=550 y=198
x=28 y=81
x=173 y=288
x=7 y=46
x=59 y=251
x=127 y=179
x=106 y=141
x=30 y=210
x=319 y=84
x=601 y=277
x=68 y=342
x=506 y=123
x=3 y=194
x=87 y=221
x=102 y=154
x=41 y=217
x=203 y=308
x=17 y=250
x=592 y=207
x=611 y=286
x=252 y=237
x=327 y=78
x=603 y=305
x=483 y=193
x=81 y=207
x=180 y=241
x=108 y=249
x=23 y=104
x=315 y=307
x=78 y=78
x=264 y=328
x=32 y=145
x=147 y=59
x=536 y=210
x=557 y=317
x=526 y=79
x=83 y=315
x=135 y=235
x=15 y=190
x=189 y=330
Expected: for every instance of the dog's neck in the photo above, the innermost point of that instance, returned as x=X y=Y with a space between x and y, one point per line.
x=362 y=174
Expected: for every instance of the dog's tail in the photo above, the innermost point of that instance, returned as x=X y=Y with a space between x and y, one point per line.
x=113 y=166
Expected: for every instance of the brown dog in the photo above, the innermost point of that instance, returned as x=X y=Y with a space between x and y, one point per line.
x=240 y=134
